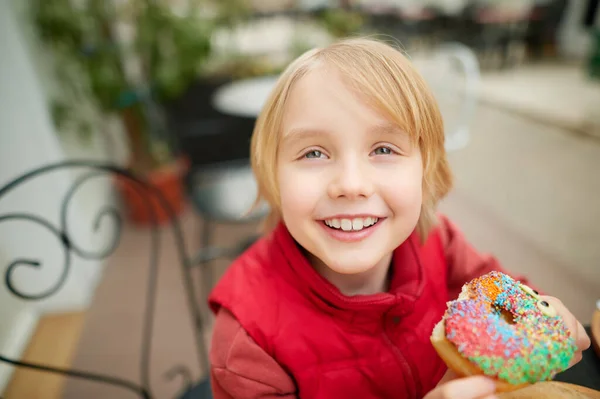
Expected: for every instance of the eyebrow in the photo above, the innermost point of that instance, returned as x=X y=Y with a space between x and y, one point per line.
x=383 y=129
x=386 y=128
x=300 y=133
x=391 y=129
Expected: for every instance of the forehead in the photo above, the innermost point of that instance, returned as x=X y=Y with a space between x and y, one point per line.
x=322 y=101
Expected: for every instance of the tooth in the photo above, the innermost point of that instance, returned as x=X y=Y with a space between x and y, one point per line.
x=346 y=224
x=336 y=223
x=368 y=221
x=328 y=223
x=357 y=224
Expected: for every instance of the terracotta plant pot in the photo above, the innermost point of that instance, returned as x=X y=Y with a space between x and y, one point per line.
x=169 y=180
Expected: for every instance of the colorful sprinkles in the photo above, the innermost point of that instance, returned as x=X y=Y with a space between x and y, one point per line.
x=502 y=329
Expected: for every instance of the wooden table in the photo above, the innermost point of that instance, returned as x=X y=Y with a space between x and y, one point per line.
x=244 y=98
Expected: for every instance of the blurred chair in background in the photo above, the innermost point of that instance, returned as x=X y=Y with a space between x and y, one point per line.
x=220 y=184
x=222 y=193
x=542 y=31
x=452 y=71
x=496 y=30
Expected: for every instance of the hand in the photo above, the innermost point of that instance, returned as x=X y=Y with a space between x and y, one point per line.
x=582 y=340
x=452 y=387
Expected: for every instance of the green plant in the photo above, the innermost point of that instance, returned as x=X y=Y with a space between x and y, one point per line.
x=94 y=61
x=341 y=22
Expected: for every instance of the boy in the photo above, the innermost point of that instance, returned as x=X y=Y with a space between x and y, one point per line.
x=338 y=300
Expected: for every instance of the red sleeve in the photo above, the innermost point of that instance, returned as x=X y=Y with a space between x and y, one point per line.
x=240 y=369
x=464 y=261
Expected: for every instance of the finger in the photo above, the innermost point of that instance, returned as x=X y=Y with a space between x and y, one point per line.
x=582 y=340
x=449 y=376
x=576 y=359
x=476 y=387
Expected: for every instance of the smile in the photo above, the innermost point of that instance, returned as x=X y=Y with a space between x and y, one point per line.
x=351 y=229
x=354 y=224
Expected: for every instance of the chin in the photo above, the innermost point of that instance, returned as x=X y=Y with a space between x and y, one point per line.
x=351 y=265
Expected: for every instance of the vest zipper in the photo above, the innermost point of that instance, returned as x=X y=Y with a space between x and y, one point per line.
x=404 y=364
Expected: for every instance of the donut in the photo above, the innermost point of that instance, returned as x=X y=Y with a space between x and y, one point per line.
x=503 y=329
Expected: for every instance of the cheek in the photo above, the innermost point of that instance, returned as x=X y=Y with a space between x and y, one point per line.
x=403 y=190
x=299 y=193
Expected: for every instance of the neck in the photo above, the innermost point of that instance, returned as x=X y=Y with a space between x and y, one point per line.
x=373 y=281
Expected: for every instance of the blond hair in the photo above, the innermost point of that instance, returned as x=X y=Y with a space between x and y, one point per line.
x=390 y=84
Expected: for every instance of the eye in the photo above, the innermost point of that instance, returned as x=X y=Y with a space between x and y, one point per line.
x=530 y=291
x=313 y=154
x=383 y=151
x=546 y=308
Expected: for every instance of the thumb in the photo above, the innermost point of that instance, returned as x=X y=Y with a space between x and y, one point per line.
x=476 y=387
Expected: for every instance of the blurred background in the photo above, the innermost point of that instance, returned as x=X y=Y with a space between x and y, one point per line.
x=170 y=89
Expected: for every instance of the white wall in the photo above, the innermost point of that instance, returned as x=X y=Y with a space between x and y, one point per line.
x=28 y=140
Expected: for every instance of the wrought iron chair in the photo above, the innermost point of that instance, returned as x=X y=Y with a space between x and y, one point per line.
x=220 y=171
x=191 y=390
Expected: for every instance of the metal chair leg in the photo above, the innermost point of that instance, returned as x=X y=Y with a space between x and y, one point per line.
x=206 y=271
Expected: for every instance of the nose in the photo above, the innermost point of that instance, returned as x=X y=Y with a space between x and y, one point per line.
x=352 y=180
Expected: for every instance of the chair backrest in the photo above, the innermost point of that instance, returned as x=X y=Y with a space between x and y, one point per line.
x=453 y=73
x=516 y=6
x=71 y=248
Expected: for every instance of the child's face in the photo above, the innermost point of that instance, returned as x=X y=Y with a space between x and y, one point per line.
x=342 y=166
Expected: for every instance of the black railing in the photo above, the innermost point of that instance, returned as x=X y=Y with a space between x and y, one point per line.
x=71 y=248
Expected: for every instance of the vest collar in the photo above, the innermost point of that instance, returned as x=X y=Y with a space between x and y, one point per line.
x=406 y=284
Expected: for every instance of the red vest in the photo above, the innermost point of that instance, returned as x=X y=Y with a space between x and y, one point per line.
x=334 y=346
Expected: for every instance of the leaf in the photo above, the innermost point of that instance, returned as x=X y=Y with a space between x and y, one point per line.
x=60 y=112
x=85 y=131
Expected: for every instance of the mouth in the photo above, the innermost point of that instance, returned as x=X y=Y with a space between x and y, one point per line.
x=351 y=224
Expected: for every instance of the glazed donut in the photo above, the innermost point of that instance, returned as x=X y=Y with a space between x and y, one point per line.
x=503 y=329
